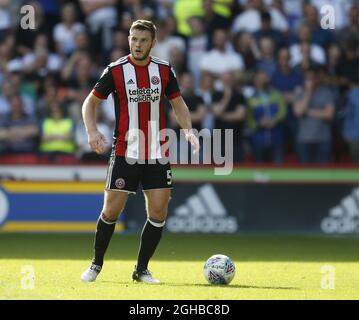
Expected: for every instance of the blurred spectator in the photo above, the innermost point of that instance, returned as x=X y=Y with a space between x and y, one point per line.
x=9 y=89
x=348 y=65
x=212 y=19
x=40 y=62
x=164 y=8
x=196 y=107
x=292 y=10
x=5 y=18
x=265 y=115
x=229 y=112
x=206 y=92
x=138 y=9
x=183 y=10
x=317 y=53
x=288 y=82
x=101 y=17
x=120 y=40
x=284 y=78
x=166 y=41
x=82 y=77
x=65 y=31
x=7 y=49
x=246 y=46
x=221 y=58
x=48 y=97
x=197 y=45
x=266 y=61
x=51 y=9
x=18 y=131
x=333 y=57
x=57 y=133
x=178 y=60
x=351 y=122
x=306 y=61
x=314 y=108
x=319 y=36
x=82 y=42
x=250 y=19
x=266 y=30
x=194 y=102
x=352 y=30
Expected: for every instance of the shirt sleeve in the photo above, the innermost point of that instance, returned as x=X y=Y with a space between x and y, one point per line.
x=105 y=85
x=172 y=90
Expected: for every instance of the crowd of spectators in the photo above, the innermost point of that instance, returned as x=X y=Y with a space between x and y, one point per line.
x=268 y=69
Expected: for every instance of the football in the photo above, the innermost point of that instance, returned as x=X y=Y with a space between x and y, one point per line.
x=219 y=269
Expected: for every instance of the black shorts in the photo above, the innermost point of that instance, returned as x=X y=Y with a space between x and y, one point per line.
x=124 y=176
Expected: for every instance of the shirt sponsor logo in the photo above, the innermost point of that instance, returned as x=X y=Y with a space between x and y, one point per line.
x=144 y=95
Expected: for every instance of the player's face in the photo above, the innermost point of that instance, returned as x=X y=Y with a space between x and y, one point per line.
x=141 y=43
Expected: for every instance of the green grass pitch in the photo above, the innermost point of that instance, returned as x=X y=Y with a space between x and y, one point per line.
x=268 y=267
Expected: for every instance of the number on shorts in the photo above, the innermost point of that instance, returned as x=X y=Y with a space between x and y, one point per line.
x=169 y=177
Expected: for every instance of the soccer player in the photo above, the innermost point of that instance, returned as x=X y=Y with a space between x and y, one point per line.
x=139 y=84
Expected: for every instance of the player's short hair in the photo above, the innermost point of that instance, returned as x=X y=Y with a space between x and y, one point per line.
x=144 y=25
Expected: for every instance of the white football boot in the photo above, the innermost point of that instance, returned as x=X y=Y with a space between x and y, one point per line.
x=91 y=273
x=144 y=276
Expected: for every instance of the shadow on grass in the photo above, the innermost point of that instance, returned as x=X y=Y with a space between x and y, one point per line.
x=203 y=285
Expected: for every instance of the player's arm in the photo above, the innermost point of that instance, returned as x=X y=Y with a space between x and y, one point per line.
x=183 y=118
x=102 y=89
x=96 y=139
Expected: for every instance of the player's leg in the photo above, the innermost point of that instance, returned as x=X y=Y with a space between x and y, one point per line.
x=114 y=203
x=122 y=179
x=157 y=184
x=156 y=207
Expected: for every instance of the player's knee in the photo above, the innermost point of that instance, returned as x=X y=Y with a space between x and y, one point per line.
x=105 y=217
x=111 y=214
x=158 y=213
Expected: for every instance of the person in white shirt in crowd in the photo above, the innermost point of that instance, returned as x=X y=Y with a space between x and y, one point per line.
x=250 y=20
x=317 y=53
x=65 y=31
x=101 y=17
x=221 y=58
x=41 y=61
x=166 y=41
x=197 y=44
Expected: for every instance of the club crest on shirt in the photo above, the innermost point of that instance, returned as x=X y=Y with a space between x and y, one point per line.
x=120 y=183
x=155 y=80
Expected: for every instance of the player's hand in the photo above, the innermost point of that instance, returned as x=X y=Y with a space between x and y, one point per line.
x=193 y=140
x=97 y=141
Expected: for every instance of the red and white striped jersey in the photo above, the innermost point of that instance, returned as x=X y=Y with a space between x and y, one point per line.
x=138 y=94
